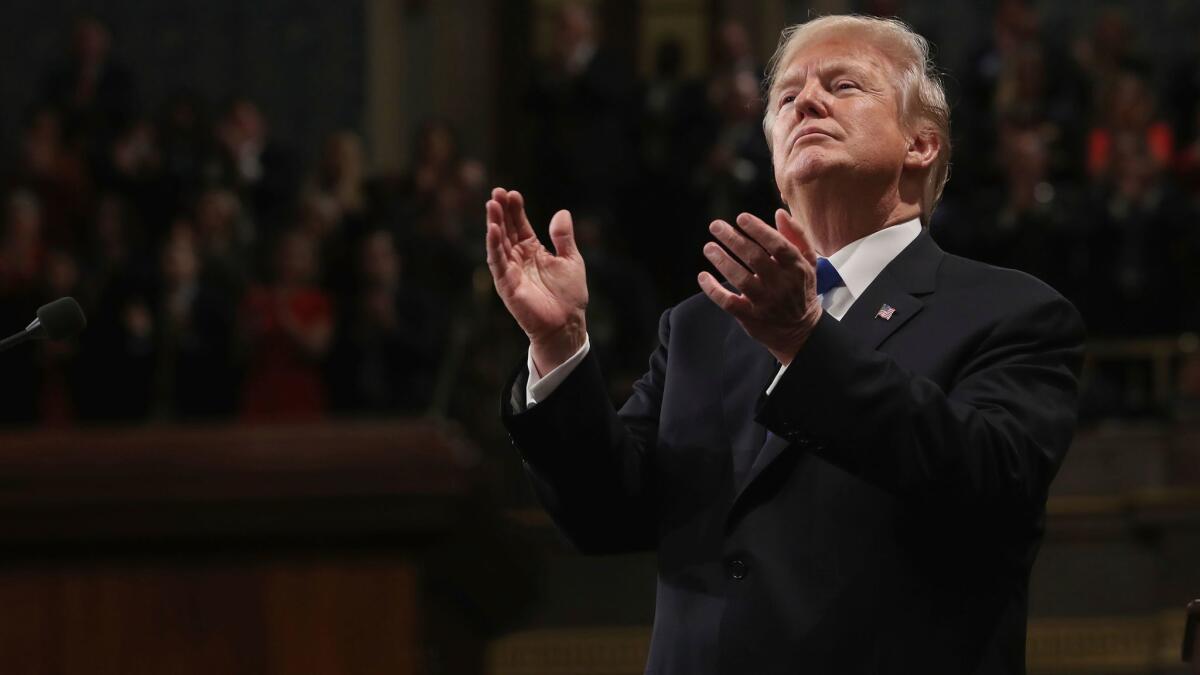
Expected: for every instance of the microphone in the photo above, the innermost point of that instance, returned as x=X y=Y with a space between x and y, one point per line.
x=55 y=321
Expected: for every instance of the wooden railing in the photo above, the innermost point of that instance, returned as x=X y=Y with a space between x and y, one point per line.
x=271 y=550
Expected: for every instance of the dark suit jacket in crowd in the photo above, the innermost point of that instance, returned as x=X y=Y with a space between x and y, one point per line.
x=888 y=522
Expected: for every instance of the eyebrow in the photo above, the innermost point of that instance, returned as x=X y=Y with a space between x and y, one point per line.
x=827 y=68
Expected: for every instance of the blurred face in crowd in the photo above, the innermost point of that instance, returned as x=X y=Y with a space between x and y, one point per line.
x=136 y=148
x=742 y=101
x=1131 y=102
x=343 y=157
x=1024 y=156
x=91 y=41
x=1111 y=34
x=437 y=145
x=215 y=213
x=319 y=215
x=733 y=43
x=296 y=259
x=42 y=142
x=1030 y=72
x=109 y=227
x=23 y=223
x=1014 y=24
x=837 y=117
x=380 y=263
x=572 y=29
x=62 y=273
x=180 y=263
x=1135 y=171
x=243 y=123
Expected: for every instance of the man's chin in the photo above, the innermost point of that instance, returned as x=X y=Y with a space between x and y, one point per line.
x=811 y=170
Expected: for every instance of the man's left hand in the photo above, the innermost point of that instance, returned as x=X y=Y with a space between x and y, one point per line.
x=777 y=304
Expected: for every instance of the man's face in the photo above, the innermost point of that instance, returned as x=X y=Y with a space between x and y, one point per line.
x=836 y=116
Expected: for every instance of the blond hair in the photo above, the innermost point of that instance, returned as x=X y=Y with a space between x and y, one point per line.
x=922 y=100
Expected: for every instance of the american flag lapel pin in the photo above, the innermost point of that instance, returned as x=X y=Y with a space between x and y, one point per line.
x=885 y=312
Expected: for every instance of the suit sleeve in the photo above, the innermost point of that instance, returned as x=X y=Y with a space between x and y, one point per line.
x=590 y=464
x=993 y=441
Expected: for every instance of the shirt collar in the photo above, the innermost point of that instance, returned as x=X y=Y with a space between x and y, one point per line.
x=860 y=261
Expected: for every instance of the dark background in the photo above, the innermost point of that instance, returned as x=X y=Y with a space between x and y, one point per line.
x=272 y=215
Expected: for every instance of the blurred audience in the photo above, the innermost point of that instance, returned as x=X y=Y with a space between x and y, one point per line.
x=582 y=103
x=341 y=179
x=1143 y=240
x=93 y=94
x=51 y=168
x=224 y=279
x=195 y=377
x=439 y=215
x=1128 y=116
x=390 y=336
x=260 y=169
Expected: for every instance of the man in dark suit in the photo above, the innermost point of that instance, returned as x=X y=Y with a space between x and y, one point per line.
x=841 y=456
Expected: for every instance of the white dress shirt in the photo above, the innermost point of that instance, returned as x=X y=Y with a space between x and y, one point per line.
x=858 y=263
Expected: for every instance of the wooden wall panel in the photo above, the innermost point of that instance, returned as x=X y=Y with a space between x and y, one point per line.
x=275 y=617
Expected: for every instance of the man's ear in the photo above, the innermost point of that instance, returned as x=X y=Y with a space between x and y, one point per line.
x=923 y=149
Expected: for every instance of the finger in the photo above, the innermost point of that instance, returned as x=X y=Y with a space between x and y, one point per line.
x=495 y=213
x=495 y=216
x=509 y=220
x=497 y=261
x=732 y=270
x=769 y=238
x=797 y=234
x=500 y=196
x=732 y=303
x=562 y=235
x=516 y=213
x=747 y=250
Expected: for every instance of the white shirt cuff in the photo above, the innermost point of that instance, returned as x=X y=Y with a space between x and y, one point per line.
x=538 y=387
x=782 y=370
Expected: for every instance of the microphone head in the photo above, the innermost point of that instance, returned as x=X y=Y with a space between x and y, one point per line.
x=61 y=318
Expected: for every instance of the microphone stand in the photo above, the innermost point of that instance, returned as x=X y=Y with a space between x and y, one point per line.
x=33 y=330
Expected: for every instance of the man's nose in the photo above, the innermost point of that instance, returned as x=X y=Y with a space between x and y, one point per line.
x=810 y=102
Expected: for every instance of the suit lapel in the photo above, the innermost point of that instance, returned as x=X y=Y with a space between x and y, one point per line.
x=893 y=298
x=911 y=274
x=880 y=311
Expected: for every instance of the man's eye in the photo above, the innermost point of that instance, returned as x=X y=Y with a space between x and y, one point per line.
x=787 y=99
x=841 y=86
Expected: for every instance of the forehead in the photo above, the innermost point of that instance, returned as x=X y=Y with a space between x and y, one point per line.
x=836 y=52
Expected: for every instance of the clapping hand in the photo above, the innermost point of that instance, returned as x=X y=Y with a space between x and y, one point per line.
x=545 y=292
x=777 y=302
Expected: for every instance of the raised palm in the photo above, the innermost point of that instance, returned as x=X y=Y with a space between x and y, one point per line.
x=545 y=292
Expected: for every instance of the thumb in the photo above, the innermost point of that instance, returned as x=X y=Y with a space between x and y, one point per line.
x=562 y=234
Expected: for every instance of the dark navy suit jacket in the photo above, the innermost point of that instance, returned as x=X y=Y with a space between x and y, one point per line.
x=888 y=522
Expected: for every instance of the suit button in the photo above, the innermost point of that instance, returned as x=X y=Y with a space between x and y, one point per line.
x=737 y=569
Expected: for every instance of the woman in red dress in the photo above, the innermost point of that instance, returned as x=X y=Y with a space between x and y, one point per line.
x=287 y=327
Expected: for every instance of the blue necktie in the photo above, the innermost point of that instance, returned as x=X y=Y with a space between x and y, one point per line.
x=827 y=277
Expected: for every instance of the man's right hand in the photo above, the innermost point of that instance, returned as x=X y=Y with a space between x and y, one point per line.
x=545 y=292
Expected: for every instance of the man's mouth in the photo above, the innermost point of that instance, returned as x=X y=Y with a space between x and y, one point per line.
x=813 y=131
x=810 y=131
